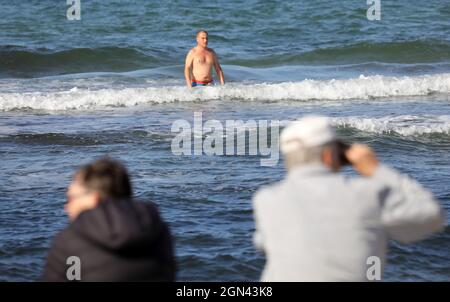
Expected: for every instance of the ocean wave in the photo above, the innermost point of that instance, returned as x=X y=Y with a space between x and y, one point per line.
x=46 y=135
x=388 y=52
x=404 y=125
x=17 y=61
x=361 y=88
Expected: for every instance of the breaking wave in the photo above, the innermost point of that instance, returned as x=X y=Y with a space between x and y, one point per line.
x=361 y=88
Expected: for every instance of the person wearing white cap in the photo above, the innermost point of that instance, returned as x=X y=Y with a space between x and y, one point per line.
x=318 y=225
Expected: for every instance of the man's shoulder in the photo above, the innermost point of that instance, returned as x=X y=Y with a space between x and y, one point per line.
x=266 y=192
x=65 y=235
x=62 y=244
x=211 y=51
x=146 y=206
x=193 y=51
x=365 y=184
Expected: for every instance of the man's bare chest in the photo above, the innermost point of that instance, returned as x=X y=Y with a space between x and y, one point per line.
x=203 y=59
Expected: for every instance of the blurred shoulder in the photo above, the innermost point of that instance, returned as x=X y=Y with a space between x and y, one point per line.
x=191 y=52
x=145 y=204
x=267 y=192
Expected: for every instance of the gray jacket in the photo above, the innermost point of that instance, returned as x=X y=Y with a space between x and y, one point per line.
x=316 y=225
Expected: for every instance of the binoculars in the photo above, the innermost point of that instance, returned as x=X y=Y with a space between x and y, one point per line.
x=341 y=149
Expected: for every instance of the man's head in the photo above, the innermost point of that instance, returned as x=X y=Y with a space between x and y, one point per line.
x=311 y=139
x=101 y=181
x=202 y=38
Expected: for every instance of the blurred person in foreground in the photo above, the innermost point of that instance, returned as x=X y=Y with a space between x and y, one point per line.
x=115 y=238
x=318 y=225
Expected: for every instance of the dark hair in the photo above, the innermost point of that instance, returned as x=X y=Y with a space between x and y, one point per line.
x=201 y=31
x=107 y=177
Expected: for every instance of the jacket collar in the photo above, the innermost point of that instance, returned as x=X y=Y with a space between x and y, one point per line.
x=308 y=170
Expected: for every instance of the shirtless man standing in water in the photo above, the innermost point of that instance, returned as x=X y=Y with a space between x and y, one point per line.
x=200 y=60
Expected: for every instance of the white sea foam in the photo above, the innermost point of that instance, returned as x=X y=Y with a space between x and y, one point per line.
x=357 y=88
x=405 y=125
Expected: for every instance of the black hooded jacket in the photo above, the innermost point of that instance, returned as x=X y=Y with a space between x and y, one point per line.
x=117 y=241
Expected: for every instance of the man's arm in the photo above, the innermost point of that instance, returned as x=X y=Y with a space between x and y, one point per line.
x=258 y=238
x=187 y=68
x=218 y=69
x=409 y=211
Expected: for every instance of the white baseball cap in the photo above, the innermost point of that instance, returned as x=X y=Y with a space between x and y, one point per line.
x=309 y=131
